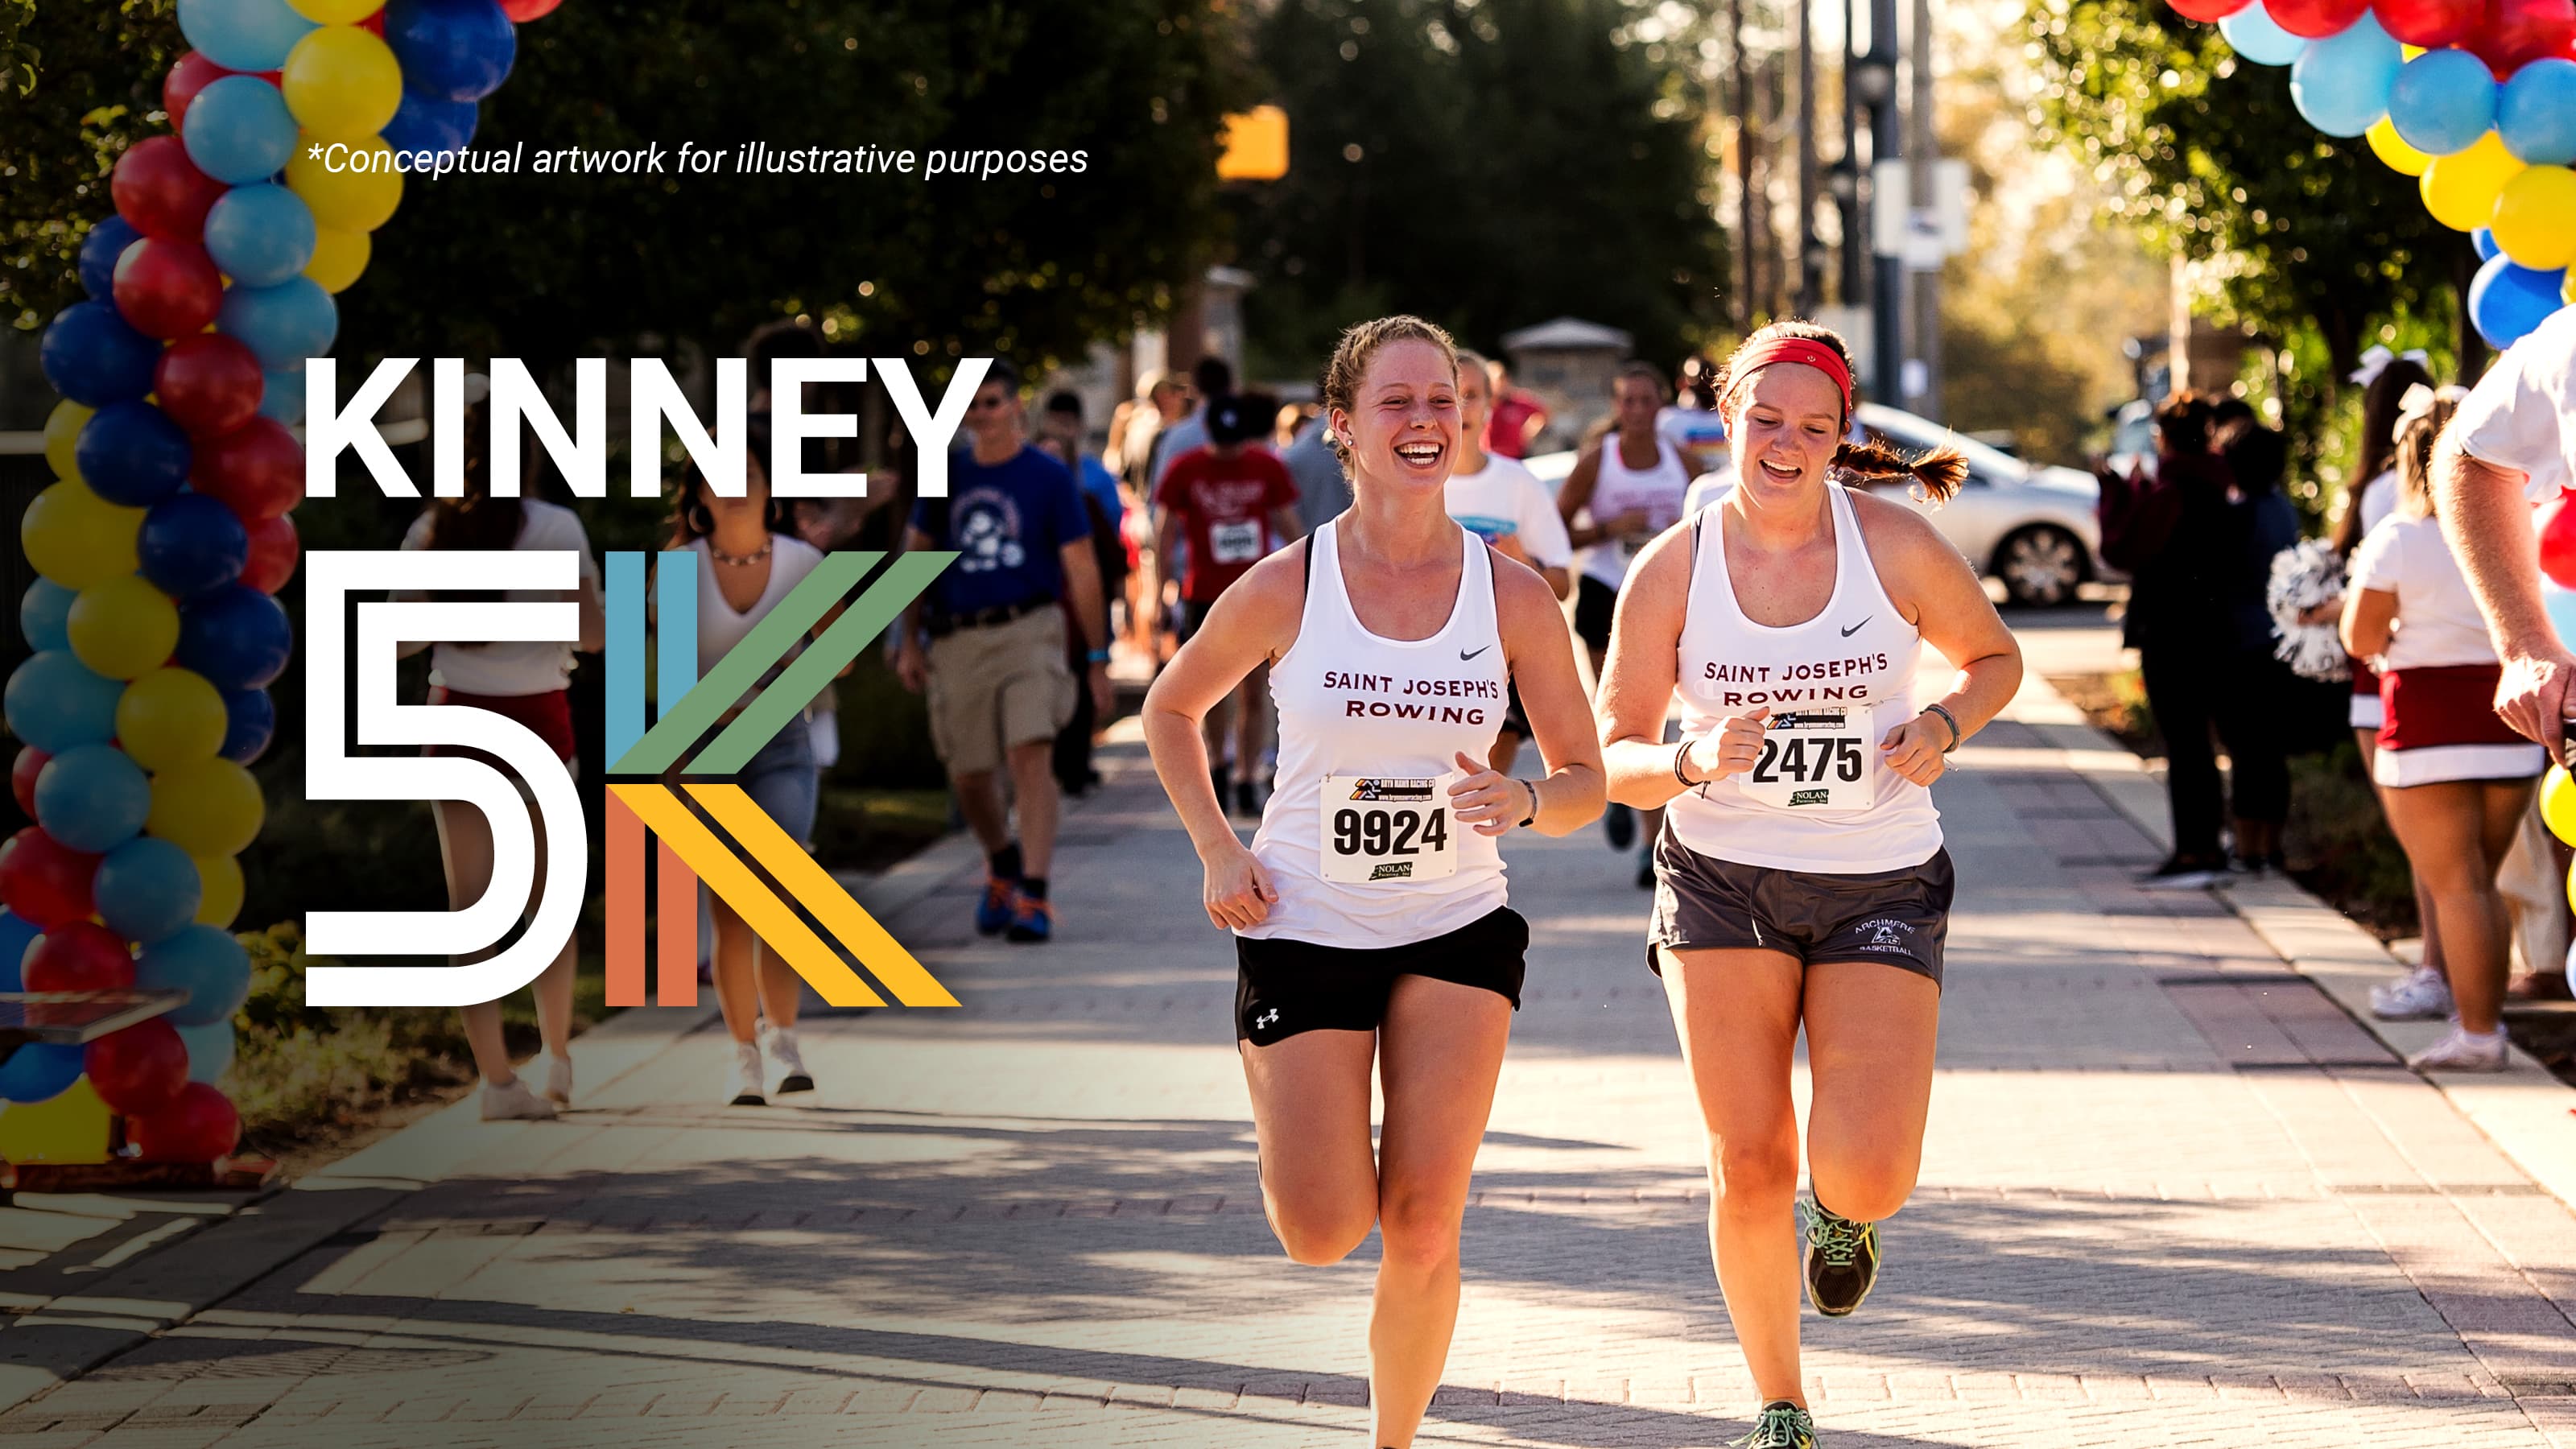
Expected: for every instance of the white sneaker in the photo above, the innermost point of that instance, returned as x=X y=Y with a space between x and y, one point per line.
x=747 y=1088
x=781 y=1047
x=2463 y=1051
x=515 y=1103
x=2421 y=995
x=559 y=1081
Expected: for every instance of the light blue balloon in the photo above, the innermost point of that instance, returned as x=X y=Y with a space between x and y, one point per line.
x=239 y=130
x=203 y=961
x=260 y=235
x=44 y=615
x=2536 y=114
x=282 y=397
x=247 y=35
x=210 y=1050
x=147 y=890
x=2507 y=301
x=2341 y=83
x=2484 y=240
x=16 y=934
x=40 y=1072
x=55 y=703
x=2258 y=38
x=2443 y=101
x=2561 y=603
x=283 y=325
x=93 y=798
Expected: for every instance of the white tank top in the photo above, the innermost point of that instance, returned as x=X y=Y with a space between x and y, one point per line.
x=1821 y=798
x=1359 y=838
x=1657 y=491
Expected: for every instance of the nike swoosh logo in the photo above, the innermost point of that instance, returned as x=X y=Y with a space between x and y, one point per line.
x=1472 y=653
x=1856 y=628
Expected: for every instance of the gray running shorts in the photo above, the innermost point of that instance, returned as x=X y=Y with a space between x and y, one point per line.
x=1901 y=917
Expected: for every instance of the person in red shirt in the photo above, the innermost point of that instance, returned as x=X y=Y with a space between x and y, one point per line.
x=1235 y=504
x=1518 y=416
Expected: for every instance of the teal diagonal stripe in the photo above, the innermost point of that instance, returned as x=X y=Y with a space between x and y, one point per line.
x=741 y=668
x=787 y=696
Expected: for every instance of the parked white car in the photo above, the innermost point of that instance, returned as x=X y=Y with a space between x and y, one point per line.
x=2029 y=525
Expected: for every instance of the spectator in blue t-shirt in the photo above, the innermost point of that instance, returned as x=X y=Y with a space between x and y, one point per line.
x=995 y=670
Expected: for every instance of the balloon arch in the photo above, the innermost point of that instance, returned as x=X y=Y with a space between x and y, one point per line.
x=168 y=531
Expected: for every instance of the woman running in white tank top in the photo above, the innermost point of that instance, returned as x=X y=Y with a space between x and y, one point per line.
x=1371 y=929
x=1800 y=877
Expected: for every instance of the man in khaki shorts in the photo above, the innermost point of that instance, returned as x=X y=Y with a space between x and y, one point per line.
x=999 y=688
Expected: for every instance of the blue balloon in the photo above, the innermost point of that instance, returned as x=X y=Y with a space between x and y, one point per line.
x=246 y=35
x=2536 y=114
x=2484 y=240
x=2507 y=301
x=44 y=615
x=283 y=325
x=40 y=1072
x=260 y=235
x=2341 y=83
x=282 y=396
x=237 y=637
x=106 y=242
x=16 y=935
x=210 y=1050
x=191 y=544
x=2258 y=38
x=203 y=961
x=93 y=358
x=132 y=455
x=422 y=123
x=55 y=703
x=2443 y=101
x=147 y=890
x=451 y=50
x=239 y=130
x=250 y=722
x=93 y=798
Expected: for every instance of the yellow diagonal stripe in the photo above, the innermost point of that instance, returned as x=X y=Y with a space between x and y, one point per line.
x=795 y=869
x=727 y=876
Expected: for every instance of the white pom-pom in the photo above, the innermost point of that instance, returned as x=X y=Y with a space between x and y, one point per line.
x=2306 y=576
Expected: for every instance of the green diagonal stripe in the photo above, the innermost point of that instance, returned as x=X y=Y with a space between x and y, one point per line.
x=741 y=668
x=787 y=695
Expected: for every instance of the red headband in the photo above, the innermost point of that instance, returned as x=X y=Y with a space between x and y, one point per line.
x=1805 y=351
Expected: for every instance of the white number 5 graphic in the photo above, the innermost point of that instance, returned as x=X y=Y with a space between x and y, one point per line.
x=331 y=773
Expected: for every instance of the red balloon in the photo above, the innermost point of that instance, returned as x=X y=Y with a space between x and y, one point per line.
x=2211 y=10
x=209 y=384
x=168 y=288
x=140 y=1070
x=78 y=956
x=2516 y=32
x=523 y=11
x=2432 y=24
x=258 y=468
x=199 y=1125
x=374 y=23
x=191 y=74
x=22 y=778
x=44 y=882
x=162 y=192
x=274 y=551
x=2315 y=19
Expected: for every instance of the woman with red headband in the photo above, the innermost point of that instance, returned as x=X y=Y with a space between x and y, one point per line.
x=1800 y=876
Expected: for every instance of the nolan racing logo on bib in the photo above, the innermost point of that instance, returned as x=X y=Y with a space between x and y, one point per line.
x=1810 y=797
x=1392 y=791
x=1392 y=870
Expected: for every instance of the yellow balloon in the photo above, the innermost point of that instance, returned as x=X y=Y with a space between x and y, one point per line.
x=71 y=1127
x=221 y=898
x=2409 y=52
x=2567 y=289
x=76 y=538
x=2535 y=218
x=124 y=628
x=62 y=435
x=169 y=718
x=338 y=257
x=2392 y=148
x=211 y=807
x=342 y=83
x=335 y=12
x=350 y=189
x=2460 y=189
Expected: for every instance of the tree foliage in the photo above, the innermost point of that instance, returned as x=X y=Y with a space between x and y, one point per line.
x=80 y=81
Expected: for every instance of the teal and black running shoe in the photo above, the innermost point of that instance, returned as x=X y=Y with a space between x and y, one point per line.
x=1781 y=1425
x=1842 y=1260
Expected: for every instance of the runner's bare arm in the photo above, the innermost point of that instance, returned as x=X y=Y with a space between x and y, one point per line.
x=1082 y=590
x=2489 y=527
x=1541 y=653
x=1576 y=495
x=2367 y=615
x=1933 y=585
x=911 y=669
x=1637 y=681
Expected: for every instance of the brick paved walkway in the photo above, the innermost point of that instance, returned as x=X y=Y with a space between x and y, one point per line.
x=2171 y=1196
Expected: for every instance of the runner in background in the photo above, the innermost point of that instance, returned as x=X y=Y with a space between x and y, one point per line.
x=1518 y=416
x=1226 y=506
x=1801 y=879
x=1061 y=436
x=1161 y=400
x=1212 y=377
x=1373 y=930
x=1322 y=490
x=1503 y=503
x=1692 y=423
x=1622 y=492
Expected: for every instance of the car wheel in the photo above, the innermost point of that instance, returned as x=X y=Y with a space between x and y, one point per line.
x=2040 y=566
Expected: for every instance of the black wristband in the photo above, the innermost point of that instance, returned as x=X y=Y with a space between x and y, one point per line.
x=1532 y=817
x=1947 y=718
x=1680 y=754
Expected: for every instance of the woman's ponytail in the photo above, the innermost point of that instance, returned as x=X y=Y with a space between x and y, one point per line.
x=1939 y=473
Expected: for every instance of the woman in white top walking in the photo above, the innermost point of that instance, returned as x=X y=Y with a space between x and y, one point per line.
x=1369 y=912
x=1800 y=877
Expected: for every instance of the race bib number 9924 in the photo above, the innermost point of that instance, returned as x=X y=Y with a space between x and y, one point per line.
x=1377 y=828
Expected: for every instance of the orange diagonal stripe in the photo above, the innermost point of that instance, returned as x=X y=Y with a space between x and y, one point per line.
x=729 y=878
x=625 y=905
x=815 y=889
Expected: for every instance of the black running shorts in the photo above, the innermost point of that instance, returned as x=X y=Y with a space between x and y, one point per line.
x=1596 y=605
x=1283 y=987
x=1901 y=917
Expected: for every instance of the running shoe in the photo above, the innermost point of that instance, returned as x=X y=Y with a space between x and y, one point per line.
x=747 y=1088
x=1032 y=920
x=2464 y=1051
x=780 y=1047
x=2178 y=874
x=1620 y=824
x=1780 y=1425
x=559 y=1081
x=2420 y=995
x=1842 y=1260
x=993 y=911
x=513 y=1102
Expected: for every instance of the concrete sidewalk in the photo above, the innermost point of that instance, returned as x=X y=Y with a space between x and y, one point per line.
x=2172 y=1195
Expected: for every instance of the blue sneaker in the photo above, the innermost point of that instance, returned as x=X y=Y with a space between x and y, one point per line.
x=1032 y=920
x=993 y=912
